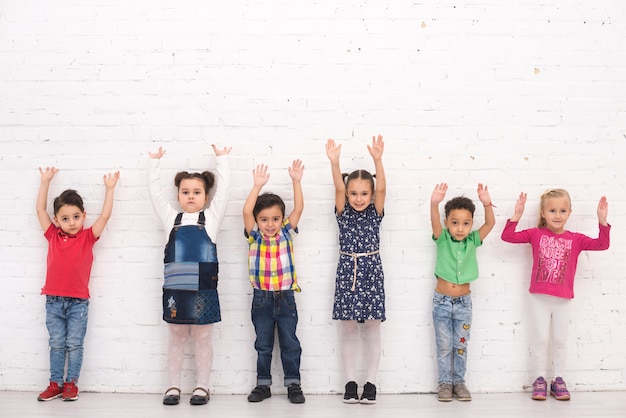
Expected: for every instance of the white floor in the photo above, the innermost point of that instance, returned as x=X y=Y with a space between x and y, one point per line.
x=501 y=405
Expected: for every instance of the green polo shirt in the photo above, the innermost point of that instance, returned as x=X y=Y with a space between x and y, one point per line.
x=456 y=260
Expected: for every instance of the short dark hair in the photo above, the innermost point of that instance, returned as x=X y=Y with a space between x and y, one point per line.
x=460 y=202
x=268 y=200
x=359 y=174
x=206 y=177
x=68 y=197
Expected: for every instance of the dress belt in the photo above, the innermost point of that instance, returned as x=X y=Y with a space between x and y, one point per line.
x=356 y=256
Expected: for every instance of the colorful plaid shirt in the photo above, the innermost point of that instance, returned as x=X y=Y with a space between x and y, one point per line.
x=270 y=259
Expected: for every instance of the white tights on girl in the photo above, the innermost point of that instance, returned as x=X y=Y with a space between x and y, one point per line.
x=349 y=348
x=201 y=338
x=551 y=316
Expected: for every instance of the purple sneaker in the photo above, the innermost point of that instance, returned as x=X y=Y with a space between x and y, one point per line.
x=558 y=389
x=540 y=389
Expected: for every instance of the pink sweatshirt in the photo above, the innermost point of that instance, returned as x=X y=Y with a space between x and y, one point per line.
x=555 y=256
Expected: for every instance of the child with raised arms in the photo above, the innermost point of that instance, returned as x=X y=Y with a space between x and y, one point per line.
x=455 y=269
x=359 y=282
x=555 y=253
x=70 y=257
x=190 y=299
x=273 y=278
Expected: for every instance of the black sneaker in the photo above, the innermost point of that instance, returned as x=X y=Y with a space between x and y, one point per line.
x=369 y=393
x=259 y=393
x=294 y=393
x=350 y=396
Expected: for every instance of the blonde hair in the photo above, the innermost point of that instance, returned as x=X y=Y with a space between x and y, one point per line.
x=549 y=194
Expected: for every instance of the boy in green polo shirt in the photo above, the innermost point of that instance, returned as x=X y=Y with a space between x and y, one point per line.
x=456 y=267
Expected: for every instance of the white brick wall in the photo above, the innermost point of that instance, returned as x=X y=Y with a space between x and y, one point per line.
x=519 y=96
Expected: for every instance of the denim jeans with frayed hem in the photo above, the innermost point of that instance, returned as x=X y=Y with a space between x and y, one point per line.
x=66 y=320
x=271 y=311
x=452 y=319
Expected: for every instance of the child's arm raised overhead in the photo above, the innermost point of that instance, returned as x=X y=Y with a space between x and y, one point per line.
x=333 y=152
x=603 y=211
x=376 y=151
x=42 y=197
x=435 y=199
x=260 y=177
x=490 y=218
x=295 y=172
x=110 y=180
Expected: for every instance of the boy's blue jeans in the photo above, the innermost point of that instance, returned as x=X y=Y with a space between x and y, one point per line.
x=452 y=319
x=270 y=311
x=66 y=320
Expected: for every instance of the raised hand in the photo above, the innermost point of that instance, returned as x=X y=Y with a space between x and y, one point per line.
x=296 y=169
x=48 y=173
x=110 y=180
x=603 y=210
x=439 y=193
x=260 y=175
x=377 y=147
x=483 y=195
x=333 y=151
x=157 y=155
x=223 y=151
x=520 y=204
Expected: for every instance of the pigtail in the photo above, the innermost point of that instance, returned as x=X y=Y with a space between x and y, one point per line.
x=209 y=179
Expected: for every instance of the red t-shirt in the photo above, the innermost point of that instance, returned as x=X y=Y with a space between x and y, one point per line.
x=69 y=263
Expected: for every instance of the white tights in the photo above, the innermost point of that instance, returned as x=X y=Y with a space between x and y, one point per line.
x=551 y=317
x=203 y=349
x=349 y=348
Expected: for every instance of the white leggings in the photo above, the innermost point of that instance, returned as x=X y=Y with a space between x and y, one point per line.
x=349 y=348
x=551 y=316
x=203 y=349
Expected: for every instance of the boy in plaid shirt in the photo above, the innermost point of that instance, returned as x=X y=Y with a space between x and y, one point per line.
x=273 y=277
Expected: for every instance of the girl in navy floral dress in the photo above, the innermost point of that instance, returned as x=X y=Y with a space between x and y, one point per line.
x=359 y=288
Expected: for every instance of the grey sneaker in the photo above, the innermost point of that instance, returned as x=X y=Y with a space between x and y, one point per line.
x=460 y=391
x=444 y=392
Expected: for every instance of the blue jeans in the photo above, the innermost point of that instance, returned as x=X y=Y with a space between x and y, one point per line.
x=452 y=319
x=270 y=311
x=66 y=320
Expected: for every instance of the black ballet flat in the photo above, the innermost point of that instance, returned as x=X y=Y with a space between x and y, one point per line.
x=171 y=399
x=199 y=399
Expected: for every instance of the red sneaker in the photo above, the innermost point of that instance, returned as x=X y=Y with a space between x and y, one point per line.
x=70 y=391
x=53 y=391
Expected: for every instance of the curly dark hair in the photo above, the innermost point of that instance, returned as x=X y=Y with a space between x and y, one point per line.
x=460 y=202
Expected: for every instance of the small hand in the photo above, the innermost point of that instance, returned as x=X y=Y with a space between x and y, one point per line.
x=333 y=151
x=260 y=175
x=377 y=147
x=157 y=155
x=603 y=209
x=439 y=193
x=223 y=151
x=110 y=180
x=296 y=169
x=483 y=195
x=520 y=204
x=48 y=173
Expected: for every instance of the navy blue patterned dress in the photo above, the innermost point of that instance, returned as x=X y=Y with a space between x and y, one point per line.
x=362 y=296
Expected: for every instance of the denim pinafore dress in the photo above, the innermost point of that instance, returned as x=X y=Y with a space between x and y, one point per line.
x=191 y=267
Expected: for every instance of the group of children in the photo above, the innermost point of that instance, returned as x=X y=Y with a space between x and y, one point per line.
x=190 y=297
